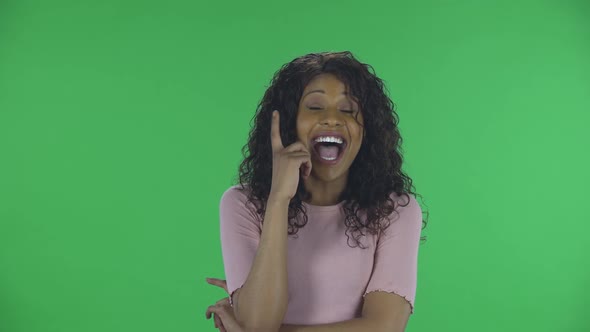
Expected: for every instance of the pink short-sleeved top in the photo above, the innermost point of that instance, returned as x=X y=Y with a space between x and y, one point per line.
x=327 y=279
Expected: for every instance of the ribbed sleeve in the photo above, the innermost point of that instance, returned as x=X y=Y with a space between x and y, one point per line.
x=395 y=267
x=240 y=235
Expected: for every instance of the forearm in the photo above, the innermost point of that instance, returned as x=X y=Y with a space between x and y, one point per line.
x=352 y=325
x=263 y=298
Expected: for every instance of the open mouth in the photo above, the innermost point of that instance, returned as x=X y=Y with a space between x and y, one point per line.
x=329 y=152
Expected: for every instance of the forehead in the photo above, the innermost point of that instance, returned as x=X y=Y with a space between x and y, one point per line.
x=325 y=85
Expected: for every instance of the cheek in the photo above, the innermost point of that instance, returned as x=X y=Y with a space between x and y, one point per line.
x=358 y=134
x=302 y=137
x=303 y=129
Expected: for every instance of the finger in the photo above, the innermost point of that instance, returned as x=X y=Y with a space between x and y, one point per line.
x=209 y=311
x=214 y=280
x=223 y=301
x=307 y=166
x=218 y=282
x=306 y=169
x=304 y=161
x=275 y=133
x=213 y=310
x=225 y=312
x=297 y=146
x=297 y=154
x=218 y=315
x=217 y=320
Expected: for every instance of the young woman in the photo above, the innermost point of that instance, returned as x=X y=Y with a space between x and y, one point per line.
x=323 y=161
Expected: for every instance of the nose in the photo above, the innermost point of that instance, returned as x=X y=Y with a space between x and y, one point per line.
x=332 y=117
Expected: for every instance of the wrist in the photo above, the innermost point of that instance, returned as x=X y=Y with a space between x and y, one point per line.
x=275 y=199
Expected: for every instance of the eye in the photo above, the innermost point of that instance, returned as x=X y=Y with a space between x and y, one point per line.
x=319 y=108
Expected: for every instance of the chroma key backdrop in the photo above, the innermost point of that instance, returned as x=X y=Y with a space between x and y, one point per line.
x=122 y=124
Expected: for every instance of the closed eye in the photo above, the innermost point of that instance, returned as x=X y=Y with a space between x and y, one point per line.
x=317 y=108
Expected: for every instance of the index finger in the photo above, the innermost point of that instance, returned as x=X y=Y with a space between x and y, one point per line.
x=275 y=135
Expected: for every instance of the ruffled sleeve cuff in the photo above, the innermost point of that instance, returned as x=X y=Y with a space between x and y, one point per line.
x=397 y=292
x=231 y=303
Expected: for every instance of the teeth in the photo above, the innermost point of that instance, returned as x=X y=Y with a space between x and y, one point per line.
x=331 y=139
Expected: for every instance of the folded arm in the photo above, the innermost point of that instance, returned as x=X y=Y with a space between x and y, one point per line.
x=352 y=325
x=382 y=311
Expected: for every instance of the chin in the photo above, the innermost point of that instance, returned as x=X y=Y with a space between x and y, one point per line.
x=328 y=174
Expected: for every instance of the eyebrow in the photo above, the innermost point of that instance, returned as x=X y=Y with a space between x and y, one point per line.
x=322 y=91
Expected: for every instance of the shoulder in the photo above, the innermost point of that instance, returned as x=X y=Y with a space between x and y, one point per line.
x=235 y=200
x=234 y=194
x=406 y=204
x=407 y=213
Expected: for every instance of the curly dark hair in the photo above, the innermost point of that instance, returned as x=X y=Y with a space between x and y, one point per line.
x=376 y=171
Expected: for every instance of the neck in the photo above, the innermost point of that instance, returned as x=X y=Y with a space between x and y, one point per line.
x=325 y=193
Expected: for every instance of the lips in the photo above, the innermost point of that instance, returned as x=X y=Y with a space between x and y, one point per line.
x=329 y=133
x=341 y=149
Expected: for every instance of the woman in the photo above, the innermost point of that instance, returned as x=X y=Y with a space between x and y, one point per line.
x=326 y=164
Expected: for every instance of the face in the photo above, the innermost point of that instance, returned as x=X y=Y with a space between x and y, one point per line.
x=332 y=110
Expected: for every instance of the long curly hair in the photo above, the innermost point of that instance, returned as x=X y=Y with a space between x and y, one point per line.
x=376 y=171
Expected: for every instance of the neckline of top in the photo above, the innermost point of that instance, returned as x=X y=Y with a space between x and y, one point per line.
x=323 y=208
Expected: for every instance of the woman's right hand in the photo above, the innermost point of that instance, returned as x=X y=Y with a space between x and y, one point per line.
x=286 y=163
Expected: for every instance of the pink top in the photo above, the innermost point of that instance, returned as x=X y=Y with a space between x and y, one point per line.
x=327 y=279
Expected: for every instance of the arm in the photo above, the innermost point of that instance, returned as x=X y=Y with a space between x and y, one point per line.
x=382 y=311
x=261 y=303
x=351 y=325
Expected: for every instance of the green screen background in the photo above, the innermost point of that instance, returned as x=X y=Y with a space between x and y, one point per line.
x=121 y=124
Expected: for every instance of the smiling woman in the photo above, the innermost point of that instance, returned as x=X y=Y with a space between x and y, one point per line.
x=290 y=260
x=324 y=113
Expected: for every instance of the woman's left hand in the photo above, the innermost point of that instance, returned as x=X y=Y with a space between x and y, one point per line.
x=225 y=319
